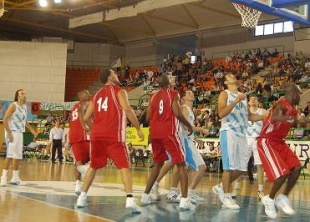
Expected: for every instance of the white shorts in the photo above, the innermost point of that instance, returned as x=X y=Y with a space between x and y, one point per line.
x=15 y=149
x=252 y=145
x=193 y=158
x=235 y=152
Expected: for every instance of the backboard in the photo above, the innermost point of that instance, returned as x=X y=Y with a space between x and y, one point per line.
x=292 y=10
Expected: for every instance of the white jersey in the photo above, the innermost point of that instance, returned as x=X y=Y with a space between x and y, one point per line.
x=17 y=121
x=254 y=128
x=237 y=119
x=191 y=120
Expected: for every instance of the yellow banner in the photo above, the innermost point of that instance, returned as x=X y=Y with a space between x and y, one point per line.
x=133 y=138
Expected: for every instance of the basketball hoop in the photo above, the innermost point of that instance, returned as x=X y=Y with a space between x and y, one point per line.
x=249 y=15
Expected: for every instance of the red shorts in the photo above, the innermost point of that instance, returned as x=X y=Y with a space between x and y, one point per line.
x=81 y=151
x=277 y=158
x=102 y=150
x=172 y=145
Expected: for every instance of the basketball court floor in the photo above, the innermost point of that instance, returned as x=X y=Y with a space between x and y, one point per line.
x=49 y=196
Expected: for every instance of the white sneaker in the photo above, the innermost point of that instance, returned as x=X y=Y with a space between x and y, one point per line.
x=78 y=188
x=132 y=205
x=185 y=204
x=270 y=208
x=218 y=190
x=17 y=181
x=82 y=201
x=173 y=196
x=260 y=195
x=4 y=181
x=194 y=198
x=154 y=193
x=283 y=203
x=229 y=203
x=146 y=199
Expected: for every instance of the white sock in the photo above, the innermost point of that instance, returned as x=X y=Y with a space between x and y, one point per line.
x=155 y=184
x=83 y=194
x=15 y=173
x=4 y=173
x=227 y=194
x=191 y=191
x=260 y=187
x=174 y=189
x=78 y=182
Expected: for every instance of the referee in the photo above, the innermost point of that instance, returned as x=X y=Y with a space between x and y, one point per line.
x=56 y=135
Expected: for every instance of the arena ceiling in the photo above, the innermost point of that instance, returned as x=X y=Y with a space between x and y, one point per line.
x=115 y=21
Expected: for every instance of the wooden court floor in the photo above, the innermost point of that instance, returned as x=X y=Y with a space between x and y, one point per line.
x=49 y=196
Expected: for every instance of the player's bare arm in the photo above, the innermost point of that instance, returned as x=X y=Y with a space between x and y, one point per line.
x=278 y=116
x=88 y=115
x=6 y=118
x=123 y=100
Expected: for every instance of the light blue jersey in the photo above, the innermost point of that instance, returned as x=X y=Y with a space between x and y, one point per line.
x=254 y=128
x=237 y=119
x=17 y=121
x=235 y=154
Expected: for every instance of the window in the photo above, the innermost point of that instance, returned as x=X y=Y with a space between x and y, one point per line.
x=278 y=27
x=274 y=28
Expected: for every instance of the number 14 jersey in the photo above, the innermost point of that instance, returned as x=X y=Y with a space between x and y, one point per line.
x=109 y=121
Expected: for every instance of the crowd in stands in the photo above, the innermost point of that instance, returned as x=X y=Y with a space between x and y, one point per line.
x=260 y=72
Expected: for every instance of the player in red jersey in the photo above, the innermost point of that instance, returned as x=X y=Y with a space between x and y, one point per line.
x=108 y=111
x=164 y=114
x=279 y=161
x=79 y=138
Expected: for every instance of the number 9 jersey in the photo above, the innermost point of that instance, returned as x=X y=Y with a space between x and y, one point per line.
x=163 y=122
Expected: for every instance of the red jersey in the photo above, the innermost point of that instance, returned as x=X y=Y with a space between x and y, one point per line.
x=109 y=121
x=163 y=122
x=278 y=130
x=76 y=132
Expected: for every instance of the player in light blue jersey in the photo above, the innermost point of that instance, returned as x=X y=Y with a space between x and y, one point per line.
x=195 y=163
x=253 y=130
x=15 y=121
x=233 y=110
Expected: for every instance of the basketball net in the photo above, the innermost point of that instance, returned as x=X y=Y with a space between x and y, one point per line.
x=249 y=15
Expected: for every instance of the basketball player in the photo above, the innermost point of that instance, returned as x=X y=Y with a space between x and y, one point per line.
x=163 y=113
x=196 y=164
x=79 y=138
x=233 y=110
x=108 y=110
x=253 y=130
x=15 y=121
x=279 y=161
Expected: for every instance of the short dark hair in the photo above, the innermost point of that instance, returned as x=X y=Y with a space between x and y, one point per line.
x=104 y=75
x=163 y=80
x=17 y=94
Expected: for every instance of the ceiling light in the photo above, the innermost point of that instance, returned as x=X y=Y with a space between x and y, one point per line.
x=43 y=3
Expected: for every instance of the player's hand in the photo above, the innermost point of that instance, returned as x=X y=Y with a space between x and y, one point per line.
x=35 y=135
x=11 y=138
x=240 y=97
x=204 y=132
x=140 y=134
x=190 y=131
